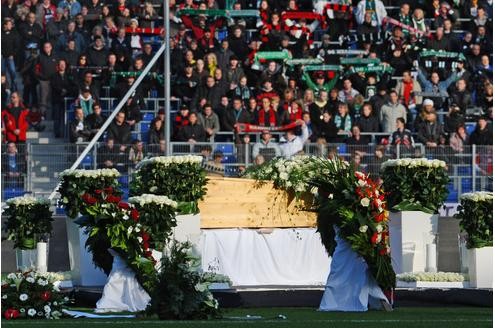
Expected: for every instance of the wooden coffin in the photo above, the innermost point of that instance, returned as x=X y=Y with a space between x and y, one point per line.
x=245 y=203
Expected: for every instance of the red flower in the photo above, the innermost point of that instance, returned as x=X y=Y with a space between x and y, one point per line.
x=88 y=199
x=145 y=236
x=374 y=238
x=148 y=254
x=11 y=314
x=98 y=191
x=146 y=245
x=383 y=251
x=135 y=215
x=124 y=205
x=45 y=296
x=379 y=217
x=108 y=190
x=113 y=199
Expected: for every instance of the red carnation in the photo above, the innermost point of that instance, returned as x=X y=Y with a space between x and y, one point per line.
x=135 y=215
x=108 y=190
x=45 y=296
x=379 y=217
x=124 y=205
x=87 y=198
x=98 y=191
x=11 y=314
x=145 y=236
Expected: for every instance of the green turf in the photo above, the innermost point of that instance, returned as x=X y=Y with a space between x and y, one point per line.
x=451 y=317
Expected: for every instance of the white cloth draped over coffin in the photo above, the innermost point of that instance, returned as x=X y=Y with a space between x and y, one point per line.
x=122 y=291
x=350 y=285
x=250 y=258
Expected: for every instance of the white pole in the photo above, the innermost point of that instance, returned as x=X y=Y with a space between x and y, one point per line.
x=113 y=114
x=166 y=76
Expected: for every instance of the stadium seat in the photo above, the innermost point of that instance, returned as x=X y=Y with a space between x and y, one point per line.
x=226 y=149
x=470 y=127
x=87 y=162
x=229 y=159
x=148 y=117
x=342 y=149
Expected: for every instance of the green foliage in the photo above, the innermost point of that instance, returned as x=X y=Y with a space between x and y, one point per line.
x=27 y=223
x=181 y=293
x=183 y=182
x=476 y=219
x=158 y=221
x=415 y=188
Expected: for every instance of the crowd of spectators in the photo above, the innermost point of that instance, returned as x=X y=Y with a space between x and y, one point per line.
x=58 y=49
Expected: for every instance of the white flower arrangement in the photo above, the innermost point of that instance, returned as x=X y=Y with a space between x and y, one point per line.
x=414 y=163
x=169 y=160
x=109 y=173
x=153 y=199
x=27 y=200
x=431 y=277
x=480 y=196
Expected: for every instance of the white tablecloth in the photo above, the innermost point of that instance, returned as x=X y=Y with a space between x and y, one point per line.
x=284 y=257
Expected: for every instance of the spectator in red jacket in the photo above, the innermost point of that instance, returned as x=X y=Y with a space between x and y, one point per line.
x=14 y=120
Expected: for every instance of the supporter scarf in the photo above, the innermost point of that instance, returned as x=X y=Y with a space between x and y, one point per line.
x=359 y=61
x=346 y=52
x=322 y=68
x=144 y=30
x=303 y=61
x=380 y=69
x=272 y=117
x=332 y=8
x=246 y=128
x=370 y=7
x=220 y=12
x=441 y=54
x=406 y=27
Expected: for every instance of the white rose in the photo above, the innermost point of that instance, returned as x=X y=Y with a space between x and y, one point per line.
x=284 y=176
x=363 y=228
x=30 y=280
x=11 y=276
x=362 y=183
x=330 y=196
x=42 y=282
x=23 y=297
x=443 y=164
x=365 y=202
x=435 y=163
x=125 y=217
x=379 y=228
x=31 y=312
x=47 y=309
x=4 y=297
x=314 y=190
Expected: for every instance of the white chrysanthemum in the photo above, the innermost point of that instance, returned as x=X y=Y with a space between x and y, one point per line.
x=153 y=199
x=23 y=297
x=30 y=280
x=379 y=228
x=31 y=312
x=480 y=196
x=363 y=228
x=314 y=190
x=11 y=276
x=47 y=309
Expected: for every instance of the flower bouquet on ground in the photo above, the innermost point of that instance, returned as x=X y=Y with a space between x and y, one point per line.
x=181 y=292
x=181 y=178
x=29 y=219
x=476 y=218
x=352 y=202
x=157 y=215
x=74 y=183
x=415 y=184
x=32 y=295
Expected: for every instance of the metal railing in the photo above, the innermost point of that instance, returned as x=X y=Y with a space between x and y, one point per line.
x=469 y=170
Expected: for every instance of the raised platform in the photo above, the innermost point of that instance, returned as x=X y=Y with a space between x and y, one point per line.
x=303 y=296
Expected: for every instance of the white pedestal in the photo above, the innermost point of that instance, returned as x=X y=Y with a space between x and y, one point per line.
x=188 y=228
x=26 y=258
x=481 y=267
x=410 y=232
x=83 y=271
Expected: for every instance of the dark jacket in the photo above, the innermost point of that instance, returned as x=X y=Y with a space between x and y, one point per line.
x=85 y=133
x=48 y=66
x=192 y=131
x=62 y=86
x=481 y=137
x=328 y=130
x=97 y=57
x=121 y=134
x=429 y=132
x=231 y=118
x=30 y=34
x=11 y=43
